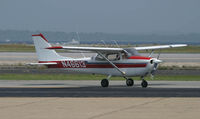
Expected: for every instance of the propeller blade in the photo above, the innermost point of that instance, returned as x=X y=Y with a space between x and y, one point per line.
x=157 y=61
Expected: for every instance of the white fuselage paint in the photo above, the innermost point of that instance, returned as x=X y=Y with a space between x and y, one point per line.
x=82 y=66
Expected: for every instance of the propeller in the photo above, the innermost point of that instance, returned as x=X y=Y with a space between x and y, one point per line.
x=156 y=62
x=155 y=66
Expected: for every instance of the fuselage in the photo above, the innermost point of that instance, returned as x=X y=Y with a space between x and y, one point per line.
x=108 y=61
x=132 y=66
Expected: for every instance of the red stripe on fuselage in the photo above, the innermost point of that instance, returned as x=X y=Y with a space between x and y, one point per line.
x=118 y=65
x=83 y=64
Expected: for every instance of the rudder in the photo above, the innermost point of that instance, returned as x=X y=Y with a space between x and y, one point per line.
x=43 y=54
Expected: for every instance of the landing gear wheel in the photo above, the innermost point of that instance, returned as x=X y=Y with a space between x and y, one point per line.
x=144 y=84
x=104 y=83
x=129 y=82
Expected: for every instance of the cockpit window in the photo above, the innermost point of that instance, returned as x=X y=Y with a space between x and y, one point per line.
x=124 y=55
x=117 y=56
x=111 y=57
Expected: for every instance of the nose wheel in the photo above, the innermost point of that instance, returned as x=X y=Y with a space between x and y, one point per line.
x=129 y=82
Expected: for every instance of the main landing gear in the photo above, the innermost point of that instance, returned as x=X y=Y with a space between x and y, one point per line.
x=104 y=83
x=129 y=82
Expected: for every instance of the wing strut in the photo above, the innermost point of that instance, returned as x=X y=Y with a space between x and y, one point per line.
x=123 y=73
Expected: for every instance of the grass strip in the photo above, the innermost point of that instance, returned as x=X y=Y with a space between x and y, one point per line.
x=90 y=77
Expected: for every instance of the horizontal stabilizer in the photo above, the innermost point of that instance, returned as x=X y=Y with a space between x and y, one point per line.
x=49 y=63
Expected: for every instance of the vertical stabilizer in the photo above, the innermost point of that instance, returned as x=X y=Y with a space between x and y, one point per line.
x=44 y=54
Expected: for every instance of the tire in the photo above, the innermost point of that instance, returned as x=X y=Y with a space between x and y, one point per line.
x=144 y=84
x=129 y=82
x=104 y=83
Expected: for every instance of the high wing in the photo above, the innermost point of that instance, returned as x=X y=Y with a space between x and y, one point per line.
x=115 y=50
x=91 y=49
x=160 y=47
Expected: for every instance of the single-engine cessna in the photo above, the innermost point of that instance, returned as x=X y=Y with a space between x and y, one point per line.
x=125 y=62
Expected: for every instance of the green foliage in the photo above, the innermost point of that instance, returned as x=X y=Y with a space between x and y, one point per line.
x=16 y=48
x=90 y=77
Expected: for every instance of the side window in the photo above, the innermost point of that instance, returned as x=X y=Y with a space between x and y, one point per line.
x=124 y=56
x=113 y=57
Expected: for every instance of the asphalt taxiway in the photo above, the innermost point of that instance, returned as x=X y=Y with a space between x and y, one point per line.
x=50 y=99
x=67 y=88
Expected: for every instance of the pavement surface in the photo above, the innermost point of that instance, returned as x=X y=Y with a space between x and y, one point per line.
x=87 y=100
x=52 y=88
x=168 y=58
x=99 y=108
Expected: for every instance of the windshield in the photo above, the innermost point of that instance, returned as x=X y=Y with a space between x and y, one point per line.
x=132 y=52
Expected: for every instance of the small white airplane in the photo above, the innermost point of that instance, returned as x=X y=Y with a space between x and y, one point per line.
x=125 y=62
